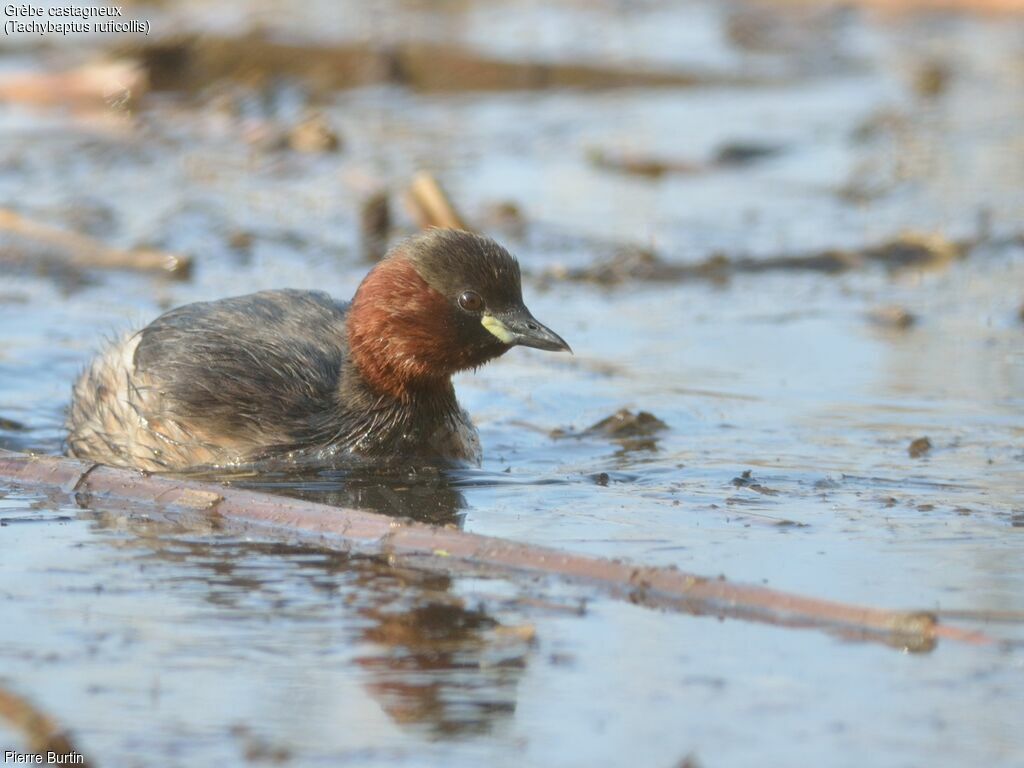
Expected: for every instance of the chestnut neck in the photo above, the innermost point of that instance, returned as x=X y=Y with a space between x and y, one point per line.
x=397 y=333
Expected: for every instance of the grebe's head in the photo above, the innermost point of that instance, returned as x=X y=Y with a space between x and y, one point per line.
x=439 y=303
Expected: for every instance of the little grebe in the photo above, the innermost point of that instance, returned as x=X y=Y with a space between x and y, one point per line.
x=287 y=373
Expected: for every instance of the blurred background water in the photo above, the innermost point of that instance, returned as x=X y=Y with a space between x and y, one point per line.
x=803 y=128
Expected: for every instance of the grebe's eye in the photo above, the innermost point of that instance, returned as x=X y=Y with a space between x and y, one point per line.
x=471 y=301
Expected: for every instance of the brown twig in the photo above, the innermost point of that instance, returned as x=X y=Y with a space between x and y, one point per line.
x=111 y=84
x=82 y=251
x=374 y=224
x=429 y=204
x=451 y=549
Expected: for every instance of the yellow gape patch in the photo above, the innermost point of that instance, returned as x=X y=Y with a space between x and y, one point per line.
x=495 y=326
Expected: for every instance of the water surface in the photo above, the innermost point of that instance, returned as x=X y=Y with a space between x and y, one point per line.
x=162 y=645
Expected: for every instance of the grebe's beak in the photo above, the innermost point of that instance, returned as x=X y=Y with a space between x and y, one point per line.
x=517 y=327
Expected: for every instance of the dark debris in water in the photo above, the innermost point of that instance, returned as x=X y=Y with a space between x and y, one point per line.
x=633 y=431
x=626 y=424
x=10 y=425
x=932 y=78
x=737 y=153
x=604 y=479
x=635 y=264
x=506 y=217
x=6 y=521
x=257 y=749
x=746 y=480
x=728 y=155
x=690 y=761
x=919 y=447
x=641 y=165
x=802 y=29
x=892 y=317
x=881 y=123
x=311 y=134
x=192 y=63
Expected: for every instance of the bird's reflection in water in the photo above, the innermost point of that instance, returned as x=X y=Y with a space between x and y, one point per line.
x=434 y=663
x=422 y=493
x=439 y=664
